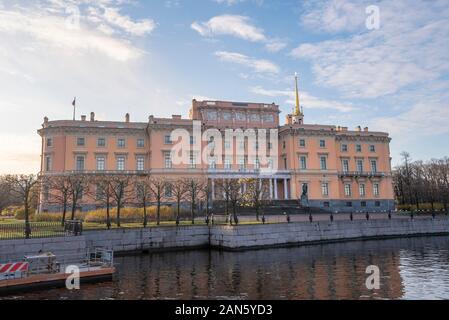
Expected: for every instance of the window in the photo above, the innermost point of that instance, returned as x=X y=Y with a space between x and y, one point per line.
x=167 y=139
x=257 y=164
x=302 y=143
x=323 y=163
x=49 y=142
x=362 y=189
x=376 y=189
x=167 y=160
x=283 y=144
x=363 y=204
x=192 y=161
x=285 y=163
x=241 y=163
x=48 y=163
x=227 y=144
x=325 y=189
x=348 y=190
x=121 y=143
x=270 y=145
x=168 y=191
x=344 y=147
x=358 y=148
x=377 y=203
x=326 y=204
x=79 y=163
x=372 y=148
x=140 y=143
x=345 y=165
x=227 y=163
x=121 y=163
x=101 y=163
x=359 y=165
x=322 y=143
x=101 y=142
x=80 y=142
x=192 y=140
x=140 y=163
x=349 y=204
x=212 y=163
x=303 y=162
x=270 y=163
x=373 y=166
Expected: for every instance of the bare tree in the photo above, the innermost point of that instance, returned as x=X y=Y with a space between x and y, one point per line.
x=24 y=187
x=143 y=196
x=193 y=187
x=119 y=185
x=104 y=194
x=6 y=198
x=236 y=196
x=78 y=185
x=157 y=188
x=256 y=195
x=179 y=193
x=60 y=191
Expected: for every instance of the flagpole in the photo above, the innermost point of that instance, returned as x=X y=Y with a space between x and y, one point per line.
x=74 y=107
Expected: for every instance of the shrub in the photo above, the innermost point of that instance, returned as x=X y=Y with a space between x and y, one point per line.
x=57 y=216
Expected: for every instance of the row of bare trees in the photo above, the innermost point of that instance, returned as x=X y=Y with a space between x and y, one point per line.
x=67 y=192
x=419 y=182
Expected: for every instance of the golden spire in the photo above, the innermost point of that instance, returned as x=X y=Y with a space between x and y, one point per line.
x=297 y=107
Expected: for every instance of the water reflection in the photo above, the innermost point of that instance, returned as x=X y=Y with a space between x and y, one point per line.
x=414 y=268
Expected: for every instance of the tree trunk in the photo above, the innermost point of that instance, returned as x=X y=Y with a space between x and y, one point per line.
x=178 y=212
x=108 y=216
x=64 y=212
x=145 y=220
x=118 y=214
x=192 y=210
x=158 y=213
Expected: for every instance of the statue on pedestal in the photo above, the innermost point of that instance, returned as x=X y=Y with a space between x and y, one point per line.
x=304 y=195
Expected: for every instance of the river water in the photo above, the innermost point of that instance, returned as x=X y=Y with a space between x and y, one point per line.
x=410 y=268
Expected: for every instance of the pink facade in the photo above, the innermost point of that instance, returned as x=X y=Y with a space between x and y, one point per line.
x=343 y=169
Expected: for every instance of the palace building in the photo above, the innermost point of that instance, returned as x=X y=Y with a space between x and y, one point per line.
x=338 y=169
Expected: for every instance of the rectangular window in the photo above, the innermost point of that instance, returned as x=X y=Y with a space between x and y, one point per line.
x=80 y=163
x=80 y=142
x=121 y=163
x=363 y=204
x=48 y=164
x=140 y=143
x=349 y=204
x=167 y=160
x=101 y=163
x=227 y=145
x=241 y=163
x=140 y=162
x=302 y=143
x=167 y=139
x=212 y=163
x=323 y=163
x=348 y=190
x=326 y=204
x=121 y=143
x=322 y=143
x=376 y=189
x=192 y=140
x=377 y=203
x=303 y=162
x=101 y=142
x=358 y=148
x=372 y=148
x=344 y=147
x=192 y=161
x=373 y=166
x=359 y=165
x=325 y=189
x=345 y=165
x=257 y=164
x=168 y=191
x=49 y=142
x=227 y=164
x=270 y=145
x=362 y=189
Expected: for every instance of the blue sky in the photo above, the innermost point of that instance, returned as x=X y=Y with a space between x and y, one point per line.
x=153 y=57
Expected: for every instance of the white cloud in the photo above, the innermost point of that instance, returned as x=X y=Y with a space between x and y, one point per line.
x=125 y=23
x=307 y=100
x=409 y=49
x=258 y=65
x=237 y=26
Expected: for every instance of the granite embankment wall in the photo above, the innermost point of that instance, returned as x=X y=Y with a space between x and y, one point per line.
x=224 y=237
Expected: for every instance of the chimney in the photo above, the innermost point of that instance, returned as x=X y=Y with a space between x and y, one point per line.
x=127 y=117
x=83 y=118
x=92 y=116
x=365 y=129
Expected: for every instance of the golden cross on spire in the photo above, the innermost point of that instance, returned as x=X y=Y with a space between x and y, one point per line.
x=297 y=107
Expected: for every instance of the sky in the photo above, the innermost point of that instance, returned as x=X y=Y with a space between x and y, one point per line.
x=153 y=57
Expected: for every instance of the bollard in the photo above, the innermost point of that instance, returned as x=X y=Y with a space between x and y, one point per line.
x=389 y=215
x=263 y=219
x=367 y=216
x=332 y=217
x=310 y=218
x=351 y=217
x=288 y=218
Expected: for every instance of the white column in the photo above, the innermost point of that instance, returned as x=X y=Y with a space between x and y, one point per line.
x=276 y=189
x=213 y=189
x=285 y=189
x=271 y=188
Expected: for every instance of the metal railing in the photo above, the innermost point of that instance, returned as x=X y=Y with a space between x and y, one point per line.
x=11 y=231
